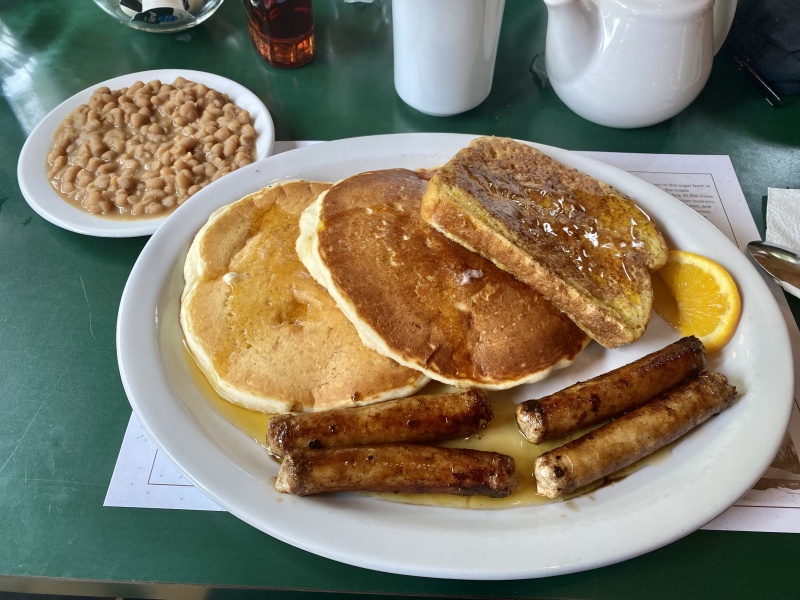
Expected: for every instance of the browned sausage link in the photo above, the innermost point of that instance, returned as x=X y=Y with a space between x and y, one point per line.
x=632 y=436
x=409 y=469
x=612 y=393
x=415 y=419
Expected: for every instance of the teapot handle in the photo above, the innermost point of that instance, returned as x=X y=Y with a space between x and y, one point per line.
x=724 y=10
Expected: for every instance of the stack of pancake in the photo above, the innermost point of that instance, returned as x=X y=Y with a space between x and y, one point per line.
x=307 y=296
x=264 y=333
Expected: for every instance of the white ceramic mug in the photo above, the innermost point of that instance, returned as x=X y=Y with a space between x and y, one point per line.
x=444 y=52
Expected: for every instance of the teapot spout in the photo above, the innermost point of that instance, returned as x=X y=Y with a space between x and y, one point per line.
x=573 y=32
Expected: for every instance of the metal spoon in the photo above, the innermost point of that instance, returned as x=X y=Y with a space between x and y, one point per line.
x=783 y=264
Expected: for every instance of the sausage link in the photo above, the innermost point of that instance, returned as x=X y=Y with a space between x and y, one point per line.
x=632 y=436
x=409 y=469
x=416 y=419
x=612 y=393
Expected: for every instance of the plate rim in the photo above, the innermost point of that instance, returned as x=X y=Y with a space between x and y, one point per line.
x=355 y=554
x=45 y=201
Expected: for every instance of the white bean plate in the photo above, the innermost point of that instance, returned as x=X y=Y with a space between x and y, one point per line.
x=32 y=167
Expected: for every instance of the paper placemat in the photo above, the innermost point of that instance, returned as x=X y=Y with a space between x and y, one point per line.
x=144 y=478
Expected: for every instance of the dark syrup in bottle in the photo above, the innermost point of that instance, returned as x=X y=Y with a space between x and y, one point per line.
x=282 y=30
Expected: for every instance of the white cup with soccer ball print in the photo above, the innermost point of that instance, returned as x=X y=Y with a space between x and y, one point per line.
x=444 y=52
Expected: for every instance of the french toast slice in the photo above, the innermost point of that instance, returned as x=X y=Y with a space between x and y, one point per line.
x=574 y=239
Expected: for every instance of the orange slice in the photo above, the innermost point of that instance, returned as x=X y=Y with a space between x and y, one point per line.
x=698 y=297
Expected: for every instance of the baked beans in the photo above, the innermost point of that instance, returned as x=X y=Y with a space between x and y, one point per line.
x=143 y=150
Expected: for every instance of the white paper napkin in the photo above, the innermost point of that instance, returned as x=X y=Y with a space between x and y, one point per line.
x=783 y=218
x=783 y=225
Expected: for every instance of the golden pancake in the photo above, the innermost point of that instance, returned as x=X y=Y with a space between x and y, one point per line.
x=423 y=300
x=266 y=335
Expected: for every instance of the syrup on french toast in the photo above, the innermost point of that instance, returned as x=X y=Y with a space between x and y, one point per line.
x=576 y=240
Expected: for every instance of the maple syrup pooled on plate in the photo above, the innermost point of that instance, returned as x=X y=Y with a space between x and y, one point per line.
x=253 y=424
x=282 y=32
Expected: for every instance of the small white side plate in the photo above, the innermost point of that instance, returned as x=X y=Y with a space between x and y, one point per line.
x=32 y=168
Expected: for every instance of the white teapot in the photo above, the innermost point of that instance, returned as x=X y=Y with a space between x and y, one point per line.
x=632 y=63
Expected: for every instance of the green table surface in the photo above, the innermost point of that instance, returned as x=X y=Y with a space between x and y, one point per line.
x=63 y=411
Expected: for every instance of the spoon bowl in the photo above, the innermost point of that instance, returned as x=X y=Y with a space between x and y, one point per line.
x=781 y=263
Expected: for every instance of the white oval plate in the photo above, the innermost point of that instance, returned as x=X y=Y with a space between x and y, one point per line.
x=696 y=480
x=32 y=168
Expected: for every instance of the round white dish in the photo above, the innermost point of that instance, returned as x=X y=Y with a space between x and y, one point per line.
x=32 y=168
x=693 y=482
